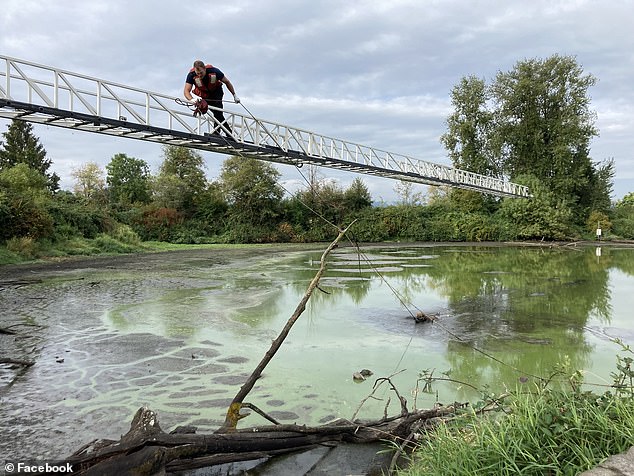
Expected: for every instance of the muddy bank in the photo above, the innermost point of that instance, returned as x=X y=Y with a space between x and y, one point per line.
x=97 y=355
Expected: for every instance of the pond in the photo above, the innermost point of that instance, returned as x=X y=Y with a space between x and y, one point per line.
x=181 y=331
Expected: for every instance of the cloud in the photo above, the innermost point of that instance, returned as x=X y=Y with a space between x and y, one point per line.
x=374 y=73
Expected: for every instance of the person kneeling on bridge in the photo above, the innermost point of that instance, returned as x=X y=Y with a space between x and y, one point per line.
x=206 y=82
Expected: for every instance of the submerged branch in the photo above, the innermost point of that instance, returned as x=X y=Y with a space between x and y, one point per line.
x=233 y=413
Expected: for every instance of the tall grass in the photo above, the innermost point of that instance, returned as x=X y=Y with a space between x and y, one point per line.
x=538 y=431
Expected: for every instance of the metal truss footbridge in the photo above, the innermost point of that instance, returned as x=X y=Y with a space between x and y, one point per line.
x=46 y=95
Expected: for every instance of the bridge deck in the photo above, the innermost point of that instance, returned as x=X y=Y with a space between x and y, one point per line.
x=46 y=95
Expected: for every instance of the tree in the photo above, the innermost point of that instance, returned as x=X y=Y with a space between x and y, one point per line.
x=186 y=164
x=533 y=120
x=626 y=201
x=545 y=216
x=22 y=147
x=89 y=182
x=181 y=179
x=24 y=199
x=128 y=180
x=407 y=195
x=357 y=196
x=470 y=129
x=546 y=125
x=251 y=189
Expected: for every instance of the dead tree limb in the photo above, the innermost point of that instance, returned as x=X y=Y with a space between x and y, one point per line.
x=25 y=363
x=146 y=449
x=233 y=413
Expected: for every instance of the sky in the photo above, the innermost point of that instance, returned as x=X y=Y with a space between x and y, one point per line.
x=377 y=73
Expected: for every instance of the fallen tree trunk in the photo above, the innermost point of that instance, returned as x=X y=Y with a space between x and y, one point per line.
x=25 y=363
x=146 y=449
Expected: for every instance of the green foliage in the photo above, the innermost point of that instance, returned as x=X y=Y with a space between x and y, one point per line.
x=622 y=219
x=170 y=191
x=533 y=120
x=128 y=181
x=357 y=196
x=24 y=246
x=211 y=214
x=110 y=245
x=598 y=220
x=251 y=189
x=181 y=180
x=23 y=203
x=626 y=201
x=126 y=235
x=73 y=216
x=23 y=180
x=471 y=128
x=544 y=216
x=547 y=429
x=20 y=146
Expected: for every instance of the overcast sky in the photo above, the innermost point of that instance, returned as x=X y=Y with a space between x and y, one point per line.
x=378 y=73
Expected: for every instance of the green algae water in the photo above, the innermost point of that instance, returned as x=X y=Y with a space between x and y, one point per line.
x=180 y=332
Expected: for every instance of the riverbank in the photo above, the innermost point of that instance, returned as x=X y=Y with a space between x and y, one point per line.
x=84 y=251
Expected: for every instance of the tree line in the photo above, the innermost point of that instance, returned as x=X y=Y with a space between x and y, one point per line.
x=532 y=125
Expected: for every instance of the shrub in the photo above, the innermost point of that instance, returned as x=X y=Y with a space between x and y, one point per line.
x=157 y=223
x=600 y=220
x=25 y=246
x=107 y=244
x=125 y=234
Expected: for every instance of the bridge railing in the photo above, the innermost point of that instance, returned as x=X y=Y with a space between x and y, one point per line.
x=59 y=89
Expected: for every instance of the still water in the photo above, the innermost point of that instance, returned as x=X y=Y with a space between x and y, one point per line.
x=180 y=332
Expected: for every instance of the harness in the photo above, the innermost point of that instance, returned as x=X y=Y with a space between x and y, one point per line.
x=205 y=85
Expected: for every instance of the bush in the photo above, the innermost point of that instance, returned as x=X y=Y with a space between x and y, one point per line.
x=73 y=217
x=107 y=244
x=125 y=234
x=536 y=430
x=24 y=246
x=598 y=219
x=157 y=224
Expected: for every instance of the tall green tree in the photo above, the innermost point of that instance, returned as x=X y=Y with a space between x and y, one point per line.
x=470 y=136
x=21 y=146
x=181 y=180
x=534 y=120
x=252 y=190
x=545 y=124
x=128 y=180
x=357 y=196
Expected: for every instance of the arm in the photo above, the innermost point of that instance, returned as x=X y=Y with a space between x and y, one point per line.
x=187 y=92
x=231 y=89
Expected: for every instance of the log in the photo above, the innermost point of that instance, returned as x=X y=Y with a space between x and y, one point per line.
x=25 y=363
x=146 y=449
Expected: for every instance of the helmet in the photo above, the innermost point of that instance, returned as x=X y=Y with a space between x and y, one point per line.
x=201 y=107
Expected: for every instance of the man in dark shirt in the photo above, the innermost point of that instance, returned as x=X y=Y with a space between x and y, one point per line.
x=206 y=82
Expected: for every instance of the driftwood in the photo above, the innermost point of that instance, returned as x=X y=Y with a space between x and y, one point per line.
x=146 y=449
x=422 y=317
x=25 y=363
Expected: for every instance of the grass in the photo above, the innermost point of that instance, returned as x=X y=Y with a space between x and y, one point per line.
x=26 y=251
x=536 y=431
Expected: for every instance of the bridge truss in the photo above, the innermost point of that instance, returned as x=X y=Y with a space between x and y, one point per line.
x=42 y=94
